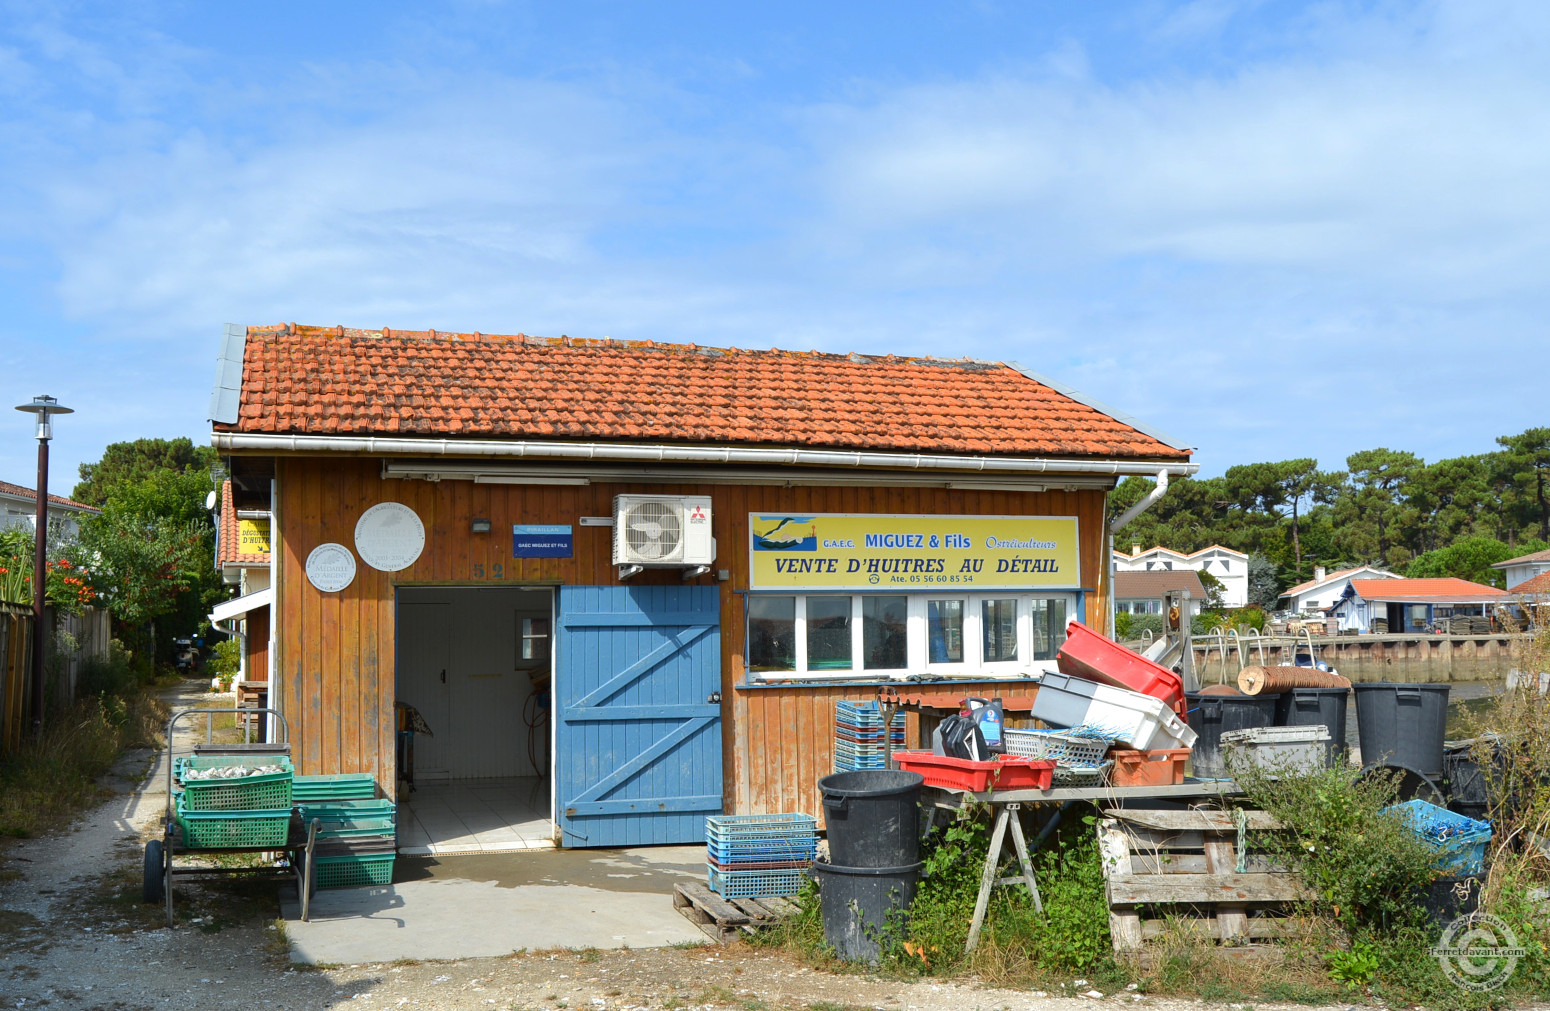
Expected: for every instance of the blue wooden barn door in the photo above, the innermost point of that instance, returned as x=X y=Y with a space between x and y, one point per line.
x=638 y=714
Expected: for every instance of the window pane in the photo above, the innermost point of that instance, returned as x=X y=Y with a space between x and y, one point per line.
x=772 y=633
x=828 y=633
x=999 y=618
x=884 y=631
x=1049 y=628
x=944 y=630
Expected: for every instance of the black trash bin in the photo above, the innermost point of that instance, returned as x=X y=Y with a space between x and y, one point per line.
x=1314 y=707
x=872 y=817
x=861 y=905
x=1210 y=716
x=1402 y=724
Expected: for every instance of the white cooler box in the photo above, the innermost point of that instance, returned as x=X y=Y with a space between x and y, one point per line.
x=1140 y=721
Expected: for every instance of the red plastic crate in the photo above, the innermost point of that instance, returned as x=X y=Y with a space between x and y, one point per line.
x=1006 y=773
x=1086 y=654
x=1161 y=767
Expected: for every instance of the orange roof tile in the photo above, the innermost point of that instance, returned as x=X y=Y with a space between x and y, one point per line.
x=1330 y=578
x=226 y=551
x=7 y=488
x=1536 y=584
x=333 y=380
x=1424 y=589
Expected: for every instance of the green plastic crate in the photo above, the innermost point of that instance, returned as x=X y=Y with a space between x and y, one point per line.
x=338 y=786
x=234 y=829
x=335 y=810
x=267 y=792
x=353 y=870
x=356 y=828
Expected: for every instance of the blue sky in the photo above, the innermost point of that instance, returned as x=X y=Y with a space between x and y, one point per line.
x=1274 y=229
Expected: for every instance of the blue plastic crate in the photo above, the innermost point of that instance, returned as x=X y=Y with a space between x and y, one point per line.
x=1459 y=841
x=755 y=884
x=746 y=851
x=759 y=826
x=863 y=715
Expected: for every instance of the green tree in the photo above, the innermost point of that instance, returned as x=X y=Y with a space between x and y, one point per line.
x=129 y=463
x=1264 y=585
x=1471 y=559
x=1377 y=480
x=1526 y=458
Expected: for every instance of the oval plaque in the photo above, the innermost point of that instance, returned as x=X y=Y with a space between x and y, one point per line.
x=330 y=567
x=389 y=536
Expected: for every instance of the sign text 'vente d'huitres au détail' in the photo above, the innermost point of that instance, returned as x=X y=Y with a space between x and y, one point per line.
x=843 y=551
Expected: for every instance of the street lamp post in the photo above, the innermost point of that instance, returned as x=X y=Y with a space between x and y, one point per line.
x=43 y=407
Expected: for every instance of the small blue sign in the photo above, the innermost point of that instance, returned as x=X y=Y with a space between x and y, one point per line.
x=541 y=540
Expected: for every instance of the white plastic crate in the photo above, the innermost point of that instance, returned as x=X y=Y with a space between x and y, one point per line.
x=1142 y=722
x=1277 y=749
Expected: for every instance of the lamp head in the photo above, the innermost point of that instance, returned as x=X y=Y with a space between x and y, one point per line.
x=44 y=407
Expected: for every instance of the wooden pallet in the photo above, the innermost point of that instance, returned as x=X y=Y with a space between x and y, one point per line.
x=724 y=920
x=1184 y=864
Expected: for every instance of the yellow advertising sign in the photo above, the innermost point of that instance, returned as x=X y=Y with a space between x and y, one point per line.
x=253 y=537
x=860 y=552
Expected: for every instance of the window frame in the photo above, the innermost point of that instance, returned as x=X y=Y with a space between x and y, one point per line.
x=917 y=655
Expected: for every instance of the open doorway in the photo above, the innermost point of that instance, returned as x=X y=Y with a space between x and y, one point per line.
x=475 y=664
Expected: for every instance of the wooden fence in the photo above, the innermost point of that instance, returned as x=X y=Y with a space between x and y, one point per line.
x=75 y=639
x=15 y=673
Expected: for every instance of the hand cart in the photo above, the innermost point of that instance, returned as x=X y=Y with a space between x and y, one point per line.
x=300 y=840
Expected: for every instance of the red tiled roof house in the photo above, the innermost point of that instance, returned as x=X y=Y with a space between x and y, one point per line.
x=648 y=572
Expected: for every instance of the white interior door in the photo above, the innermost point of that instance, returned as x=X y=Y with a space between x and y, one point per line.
x=424 y=681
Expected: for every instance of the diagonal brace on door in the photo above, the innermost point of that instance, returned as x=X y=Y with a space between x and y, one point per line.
x=676 y=643
x=638 y=763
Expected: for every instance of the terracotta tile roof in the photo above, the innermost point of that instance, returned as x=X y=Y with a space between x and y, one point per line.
x=1150 y=585
x=226 y=551
x=1330 y=578
x=332 y=380
x=1538 y=584
x=31 y=494
x=1537 y=556
x=1443 y=590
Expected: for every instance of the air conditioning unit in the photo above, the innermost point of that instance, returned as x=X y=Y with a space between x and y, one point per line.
x=663 y=531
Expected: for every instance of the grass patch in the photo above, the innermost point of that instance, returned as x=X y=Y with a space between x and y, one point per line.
x=46 y=782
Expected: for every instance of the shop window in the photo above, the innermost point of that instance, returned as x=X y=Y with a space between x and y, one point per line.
x=533 y=648
x=894 y=635
x=885 y=632
x=772 y=634
x=944 y=631
x=998 y=622
x=828 y=633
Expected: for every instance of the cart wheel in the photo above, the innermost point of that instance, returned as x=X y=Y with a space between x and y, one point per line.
x=154 y=888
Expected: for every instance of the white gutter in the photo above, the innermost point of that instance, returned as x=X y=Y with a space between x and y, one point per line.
x=662 y=453
x=1123 y=519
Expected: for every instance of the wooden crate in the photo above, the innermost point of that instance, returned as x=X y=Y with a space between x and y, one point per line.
x=1185 y=864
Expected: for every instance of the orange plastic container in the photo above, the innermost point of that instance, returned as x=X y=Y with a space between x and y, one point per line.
x=1086 y=654
x=1162 y=767
x=1006 y=773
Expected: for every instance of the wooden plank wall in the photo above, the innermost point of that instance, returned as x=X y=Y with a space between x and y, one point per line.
x=335 y=652
x=15 y=674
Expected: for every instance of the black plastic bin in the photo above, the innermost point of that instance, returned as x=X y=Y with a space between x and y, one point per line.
x=1210 y=716
x=1314 y=707
x=1402 y=724
x=873 y=817
x=861 y=905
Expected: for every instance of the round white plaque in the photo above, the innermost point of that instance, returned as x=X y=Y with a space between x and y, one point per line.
x=330 y=567
x=389 y=536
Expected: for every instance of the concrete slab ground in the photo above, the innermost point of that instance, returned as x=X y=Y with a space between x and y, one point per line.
x=479 y=906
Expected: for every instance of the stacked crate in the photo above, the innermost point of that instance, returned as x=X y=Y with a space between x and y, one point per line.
x=357 y=832
x=752 y=856
x=858 y=736
x=250 y=810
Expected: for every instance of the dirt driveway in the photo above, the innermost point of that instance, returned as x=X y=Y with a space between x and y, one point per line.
x=74 y=935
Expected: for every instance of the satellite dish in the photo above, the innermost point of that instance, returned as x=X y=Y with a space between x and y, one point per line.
x=210 y=502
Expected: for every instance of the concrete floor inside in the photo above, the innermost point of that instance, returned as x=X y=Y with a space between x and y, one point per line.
x=474 y=816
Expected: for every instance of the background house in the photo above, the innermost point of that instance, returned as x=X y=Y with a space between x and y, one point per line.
x=1410 y=605
x=1142 y=592
x=243 y=555
x=1524 y=568
x=1230 y=567
x=1321 y=592
x=19 y=508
